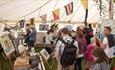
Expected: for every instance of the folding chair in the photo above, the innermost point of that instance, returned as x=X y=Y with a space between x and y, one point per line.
x=46 y=56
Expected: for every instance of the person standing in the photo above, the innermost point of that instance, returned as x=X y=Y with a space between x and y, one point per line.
x=32 y=36
x=27 y=34
x=60 y=49
x=88 y=32
x=108 y=42
x=82 y=44
x=101 y=60
x=48 y=40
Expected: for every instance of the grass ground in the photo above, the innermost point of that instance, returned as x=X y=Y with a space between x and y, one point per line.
x=5 y=63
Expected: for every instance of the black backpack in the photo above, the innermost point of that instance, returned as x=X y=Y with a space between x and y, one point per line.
x=69 y=54
x=111 y=40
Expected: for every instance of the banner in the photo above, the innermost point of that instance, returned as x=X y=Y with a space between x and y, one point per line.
x=69 y=8
x=56 y=14
x=43 y=17
x=85 y=4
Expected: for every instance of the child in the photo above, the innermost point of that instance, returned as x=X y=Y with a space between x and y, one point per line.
x=88 y=54
x=101 y=60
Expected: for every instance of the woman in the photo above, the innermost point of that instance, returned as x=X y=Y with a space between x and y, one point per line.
x=48 y=40
x=82 y=46
x=101 y=60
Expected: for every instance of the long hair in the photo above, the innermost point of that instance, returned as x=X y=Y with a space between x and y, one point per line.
x=100 y=54
x=80 y=34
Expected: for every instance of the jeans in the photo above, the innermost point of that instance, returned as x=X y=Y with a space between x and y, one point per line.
x=78 y=63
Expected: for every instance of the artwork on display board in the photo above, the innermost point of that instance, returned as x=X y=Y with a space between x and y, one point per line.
x=7 y=45
x=44 y=27
x=45 y=54
x=22 y=23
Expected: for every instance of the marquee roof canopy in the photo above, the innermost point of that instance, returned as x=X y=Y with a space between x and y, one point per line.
x=26 y=9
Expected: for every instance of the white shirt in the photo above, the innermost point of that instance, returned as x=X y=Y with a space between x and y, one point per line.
x=60 y=46
x=48 y=38
x=108 y=51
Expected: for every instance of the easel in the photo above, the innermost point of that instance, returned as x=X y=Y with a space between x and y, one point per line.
x=8 y=57
x=47 y=58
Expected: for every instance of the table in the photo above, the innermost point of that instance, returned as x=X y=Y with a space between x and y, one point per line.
x=21 y=63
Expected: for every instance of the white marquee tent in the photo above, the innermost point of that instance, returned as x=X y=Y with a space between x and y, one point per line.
x=19 y=9
x=15 y=10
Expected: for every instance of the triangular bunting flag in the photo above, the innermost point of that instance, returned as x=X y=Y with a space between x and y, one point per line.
x=85 y=4
x=56 y=14
x=69 y=8
x=43 y=17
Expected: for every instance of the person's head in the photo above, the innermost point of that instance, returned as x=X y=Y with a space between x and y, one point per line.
x=32 y=27
x=64 y=31
x=80 y=34
x=99 y=55
x=78 y=29
x=89 y=26
x=107 y=30
x=50 y=31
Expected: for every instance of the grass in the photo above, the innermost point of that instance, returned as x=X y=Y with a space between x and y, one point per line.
x=5 y=63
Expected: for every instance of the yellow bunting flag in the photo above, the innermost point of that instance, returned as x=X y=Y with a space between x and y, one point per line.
x=56 y=14
x=85 y=4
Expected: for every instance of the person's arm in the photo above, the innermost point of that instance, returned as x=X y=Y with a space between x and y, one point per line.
x=76 y=44
x=104 y=44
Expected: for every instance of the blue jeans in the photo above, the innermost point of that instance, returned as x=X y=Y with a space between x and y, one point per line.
x=78 y=64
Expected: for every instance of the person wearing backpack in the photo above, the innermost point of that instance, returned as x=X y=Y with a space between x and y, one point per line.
x=67 y=49
x=108 y=42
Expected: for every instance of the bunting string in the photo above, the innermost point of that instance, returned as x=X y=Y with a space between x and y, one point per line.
x=35 y=9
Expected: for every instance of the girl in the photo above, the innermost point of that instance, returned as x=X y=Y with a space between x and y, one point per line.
x=88 y=54
x=101 y=60
x=82 y=44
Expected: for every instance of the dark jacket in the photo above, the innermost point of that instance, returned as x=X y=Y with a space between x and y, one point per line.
x=32 y=35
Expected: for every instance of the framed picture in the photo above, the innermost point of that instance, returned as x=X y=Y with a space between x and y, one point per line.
x=22 y=23
x=45 y=54
x=7 y=45
x=44 y=27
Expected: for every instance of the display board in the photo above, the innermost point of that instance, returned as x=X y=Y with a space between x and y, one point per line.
x=7 y=45
x=44 y=27
x=108 y=22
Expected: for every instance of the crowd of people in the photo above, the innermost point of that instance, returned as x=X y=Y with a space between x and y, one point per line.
x=73 y=48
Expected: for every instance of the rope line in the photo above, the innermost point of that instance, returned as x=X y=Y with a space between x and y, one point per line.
x=35 y=10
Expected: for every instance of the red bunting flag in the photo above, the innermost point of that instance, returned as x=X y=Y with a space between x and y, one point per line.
x=43 y=17
x=56 y=14
x=69 y=8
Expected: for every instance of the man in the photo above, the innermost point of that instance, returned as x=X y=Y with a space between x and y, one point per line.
x=108 y=42
x=60 y=49
x=88 y=32
x=32 y=36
